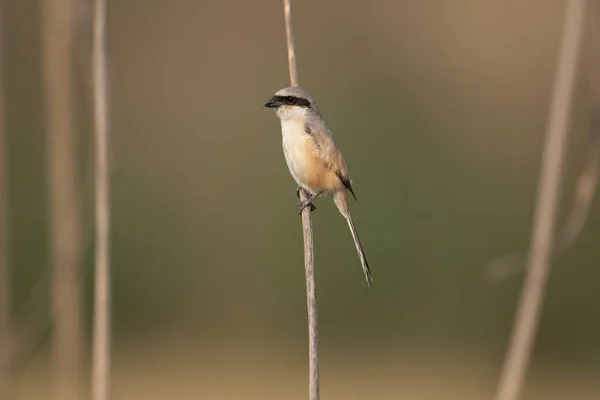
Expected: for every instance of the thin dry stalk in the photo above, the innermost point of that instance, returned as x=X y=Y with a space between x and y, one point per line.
x=530 y=304
x=587 y=182
x=31 y=322
x=65 y=220
x=5 y=326
x=309 y=261
x=102 y=317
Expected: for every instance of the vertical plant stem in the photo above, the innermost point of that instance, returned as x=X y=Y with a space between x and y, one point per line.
x=65 y=220
x=530 y=303
x=5 y=319
x=291 y=46
x=309 y=261
x=102 y=303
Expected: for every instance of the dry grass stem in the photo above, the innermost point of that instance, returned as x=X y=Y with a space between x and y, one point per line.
x=587 y=181
x=530 y=303
x=5 y=319
x=65 y=220
x=102 y=303
x=309 y=261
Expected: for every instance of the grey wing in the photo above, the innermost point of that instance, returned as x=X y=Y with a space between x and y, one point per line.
x=323 y=138
x=330 y=153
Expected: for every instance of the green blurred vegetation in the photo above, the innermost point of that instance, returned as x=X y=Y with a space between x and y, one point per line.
x=439 y=108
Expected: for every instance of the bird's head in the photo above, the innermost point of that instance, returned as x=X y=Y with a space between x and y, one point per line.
x=292 y=102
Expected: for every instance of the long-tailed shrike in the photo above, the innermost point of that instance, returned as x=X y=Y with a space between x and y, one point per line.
x=313 y=158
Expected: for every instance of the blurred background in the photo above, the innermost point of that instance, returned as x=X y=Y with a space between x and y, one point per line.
x=440 y=110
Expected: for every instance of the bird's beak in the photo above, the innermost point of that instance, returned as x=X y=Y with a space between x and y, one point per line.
x=272 y=103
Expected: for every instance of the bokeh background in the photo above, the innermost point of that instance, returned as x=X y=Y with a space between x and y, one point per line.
x=440 y=109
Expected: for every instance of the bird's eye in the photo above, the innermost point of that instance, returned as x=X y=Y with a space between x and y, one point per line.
x=290 y=99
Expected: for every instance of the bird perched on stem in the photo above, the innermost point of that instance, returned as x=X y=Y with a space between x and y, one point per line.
x=313 y=158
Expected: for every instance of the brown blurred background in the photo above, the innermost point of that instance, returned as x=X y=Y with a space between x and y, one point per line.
x=440 y=109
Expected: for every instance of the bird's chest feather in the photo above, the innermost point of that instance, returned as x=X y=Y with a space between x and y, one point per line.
x=298 y=148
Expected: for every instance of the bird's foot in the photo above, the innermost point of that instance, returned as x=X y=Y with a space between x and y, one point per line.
x=308 y=203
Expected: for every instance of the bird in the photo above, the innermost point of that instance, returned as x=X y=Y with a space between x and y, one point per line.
x=313 y=158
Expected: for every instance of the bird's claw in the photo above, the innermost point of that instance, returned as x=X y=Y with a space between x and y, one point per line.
x=304 y=204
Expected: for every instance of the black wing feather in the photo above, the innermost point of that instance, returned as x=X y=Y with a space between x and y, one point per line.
x=346 y=181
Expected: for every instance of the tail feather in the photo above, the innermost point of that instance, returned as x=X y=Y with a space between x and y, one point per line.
x=359 y=249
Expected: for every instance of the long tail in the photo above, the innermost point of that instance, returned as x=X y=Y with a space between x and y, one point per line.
x=359 y=249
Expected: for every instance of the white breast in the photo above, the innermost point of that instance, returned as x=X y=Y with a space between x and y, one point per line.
x=294 y=142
